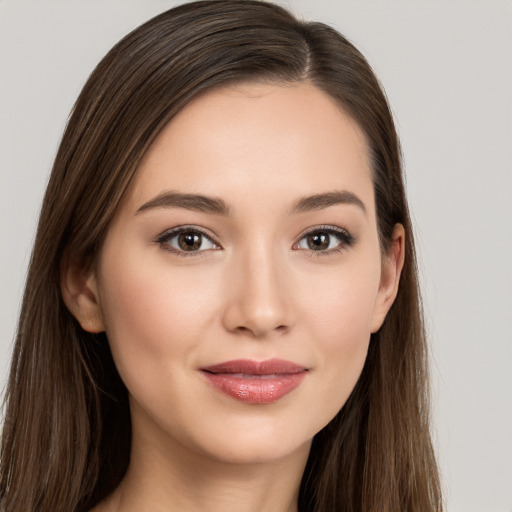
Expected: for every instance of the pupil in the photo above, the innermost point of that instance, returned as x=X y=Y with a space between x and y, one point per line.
x=189 y=241
x=318 y=241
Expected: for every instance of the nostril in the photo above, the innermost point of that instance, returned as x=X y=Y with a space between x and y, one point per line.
x=255 y=331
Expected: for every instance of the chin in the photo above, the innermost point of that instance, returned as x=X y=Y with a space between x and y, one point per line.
x=254 y=441
x=250 y=451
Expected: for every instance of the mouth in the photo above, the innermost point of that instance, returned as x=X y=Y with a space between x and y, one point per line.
x=255 y=382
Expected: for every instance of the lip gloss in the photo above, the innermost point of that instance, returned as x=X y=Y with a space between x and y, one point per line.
x=255 y=382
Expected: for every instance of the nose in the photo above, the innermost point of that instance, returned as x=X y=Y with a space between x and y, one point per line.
x=258 y=301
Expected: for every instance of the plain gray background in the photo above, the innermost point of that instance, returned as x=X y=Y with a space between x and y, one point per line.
x=446 y=67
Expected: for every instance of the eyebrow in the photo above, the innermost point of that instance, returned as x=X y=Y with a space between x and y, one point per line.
x=206 y=204
x=321 y=201
x=194 y=202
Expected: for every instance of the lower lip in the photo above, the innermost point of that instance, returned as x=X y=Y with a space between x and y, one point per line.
x=256 y=389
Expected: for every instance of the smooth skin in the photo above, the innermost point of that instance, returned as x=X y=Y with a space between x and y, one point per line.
x=270 y=277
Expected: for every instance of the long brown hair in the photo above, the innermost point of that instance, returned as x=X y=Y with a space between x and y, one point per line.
x=66 y=438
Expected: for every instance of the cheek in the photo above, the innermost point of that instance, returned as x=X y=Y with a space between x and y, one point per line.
x=339 y=314
x=340 y=306
x=153 y=311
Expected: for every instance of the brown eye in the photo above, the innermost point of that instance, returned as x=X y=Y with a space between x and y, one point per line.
x=186 y=240
x=326 y=240
x=318 y=241
x=190 y=241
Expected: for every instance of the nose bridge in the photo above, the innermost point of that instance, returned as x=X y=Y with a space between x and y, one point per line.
x=258 y=299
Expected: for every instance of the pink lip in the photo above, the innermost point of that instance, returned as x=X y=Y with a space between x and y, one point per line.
x=255 y=382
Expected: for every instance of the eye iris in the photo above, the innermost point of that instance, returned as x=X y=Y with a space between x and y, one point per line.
x=189 y=241
x=318 y=241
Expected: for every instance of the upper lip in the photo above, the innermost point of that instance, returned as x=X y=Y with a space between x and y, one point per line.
x=247 y=366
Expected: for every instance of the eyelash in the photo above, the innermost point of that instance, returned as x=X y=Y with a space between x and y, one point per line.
x=346 y=240
x=166 y=236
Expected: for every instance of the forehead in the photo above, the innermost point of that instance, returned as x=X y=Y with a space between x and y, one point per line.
x=293 y=139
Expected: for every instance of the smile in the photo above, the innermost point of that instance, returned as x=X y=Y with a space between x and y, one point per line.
x=255 y=382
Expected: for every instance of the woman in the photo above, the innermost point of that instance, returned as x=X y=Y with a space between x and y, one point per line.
x=222 y=310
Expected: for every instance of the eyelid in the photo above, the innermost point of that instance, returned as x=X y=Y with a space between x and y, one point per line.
x=174 y=231
x=347 y=240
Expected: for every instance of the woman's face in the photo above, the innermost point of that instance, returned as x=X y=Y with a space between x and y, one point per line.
x=242 y=276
